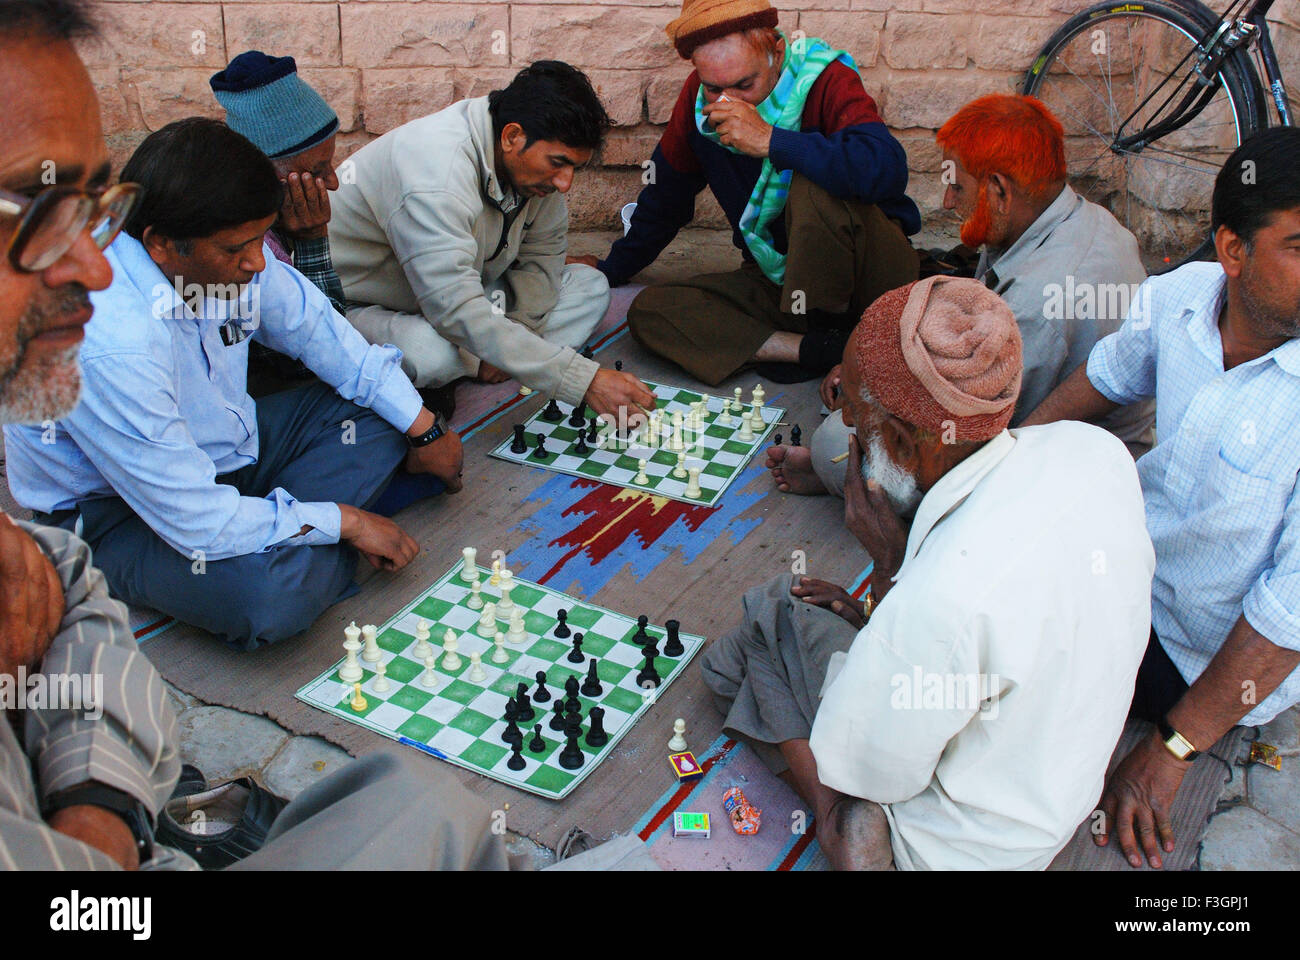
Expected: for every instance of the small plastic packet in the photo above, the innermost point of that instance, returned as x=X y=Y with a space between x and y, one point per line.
x=744 y=816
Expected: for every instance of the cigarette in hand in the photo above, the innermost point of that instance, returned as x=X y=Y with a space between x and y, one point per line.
x=841 y=458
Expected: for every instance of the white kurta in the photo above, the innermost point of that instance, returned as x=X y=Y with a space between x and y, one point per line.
x=1026 y=583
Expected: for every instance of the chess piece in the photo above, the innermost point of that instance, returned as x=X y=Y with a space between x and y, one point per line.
x=572 y=757
x=422 y=646
x=369 y=634
x=648 y=676
x=575 y=655
x=517 y=632
x=618 y=364
x=351 y=671
x=469 y=569
x=724 y=418
x=679 y=471
x=538 y=743
x=693 y=488
x=777 y=440
x=678 y=743
x=580 y=448
x=796 y=436
x=381 y=684
x=591 y=686
x=495 y=579
x=523 y=703
x=677 y=444
x=596 y=735
x=505 y=604
x=487 y=622
x=746 y=434
x=476 y=672
x=541 y=453
x=557 y=715
x=358 y=702
x=541 y=694
x=641 y=637
x=673 y=646
x=593 y=430
x=552 y=413
x=519 y=444
x=578 y=418
x=641 y=477
x=571 y=702
x=511 y=733
x=450 y=658
x=516 y=761
x=430 y=676
x=562 y=628
x=475 y=601
x=499 y=654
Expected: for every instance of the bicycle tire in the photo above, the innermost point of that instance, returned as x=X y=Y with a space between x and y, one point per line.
x=1240 y=82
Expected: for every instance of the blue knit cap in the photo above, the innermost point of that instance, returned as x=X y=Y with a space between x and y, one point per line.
x=271 y=105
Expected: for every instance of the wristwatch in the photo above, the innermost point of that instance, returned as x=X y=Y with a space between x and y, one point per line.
x=438 y=429
x=131 y=810
x=1175 y=742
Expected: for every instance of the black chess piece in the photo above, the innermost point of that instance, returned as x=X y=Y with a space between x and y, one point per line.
x=596 y=735
x=618 y=364
x=520 y=443
x=651 y=649
x=557 y=717
x=640 y=638
x=538 y=743
x=524 y=706
x=648 y=676
x=573 y=723
x=673 y=646
x=562 y=628
x=796 y=436
x=581 y=448
x=516 y=761
x=540 y=452
x=591 y=686
x=578 y=418
x=572 y=757
x=541 y=694
x=777 y=439
x=575 y=655
x=593 y=431
x=571 y=702
x=552 y=413
x=587 y=354
x=511 y=733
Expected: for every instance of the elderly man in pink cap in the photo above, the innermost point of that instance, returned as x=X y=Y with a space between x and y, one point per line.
x=962 y=717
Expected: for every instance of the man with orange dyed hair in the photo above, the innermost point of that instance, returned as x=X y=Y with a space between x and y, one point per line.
x=1068 y=269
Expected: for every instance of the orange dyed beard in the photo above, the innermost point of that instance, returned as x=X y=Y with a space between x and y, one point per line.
x=975 y=231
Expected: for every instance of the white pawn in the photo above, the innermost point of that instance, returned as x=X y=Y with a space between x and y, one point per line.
x=487 y=623
x=746 y=434
x=469 y=569
x=475 y=601
x=370 y=634
x=678 y=743
x=476 y=672
x=422 y=647
x=724 y=418
x=704 y=405
x=430 y=677
x=351 y=671
x=499 y=654
x=738 y=405
x=495 y=579
x=381 y=684
x=517 y=632
x=641 y=476
x=507 y=584
x=450 y=659
x=693 y=485
x=679 y=471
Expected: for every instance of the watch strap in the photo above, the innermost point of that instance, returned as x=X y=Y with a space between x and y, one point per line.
x=439 y=429
x=1175 y=742
x=131 y=810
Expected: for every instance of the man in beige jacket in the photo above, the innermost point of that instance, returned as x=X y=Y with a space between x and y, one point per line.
x=450 y=234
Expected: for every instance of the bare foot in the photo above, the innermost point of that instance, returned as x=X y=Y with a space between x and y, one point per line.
x=490 y=374
x=854 y=835
x=793 y=471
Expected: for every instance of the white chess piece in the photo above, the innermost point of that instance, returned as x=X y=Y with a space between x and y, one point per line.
x=351 y=671
x=677 y=442
x=738 y=405
x=422 y=647
x=381 y=684
x=495 y=579
x=507 y=584
x=487 y=623
x=679 y=471
x=475 y=601
x=476 y=672
x=746 y=434
x=759 y=393
x=450 y=659
x=678 y=743
x=724 y=418
x=370 y=633
x=499 y=654
x=469 y=569
x=430 y=677
x=641 y=476
x=693 y=484
x=517 y=632
x=656 y=430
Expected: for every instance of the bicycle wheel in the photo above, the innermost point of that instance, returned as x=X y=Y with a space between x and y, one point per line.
x=1116 y=70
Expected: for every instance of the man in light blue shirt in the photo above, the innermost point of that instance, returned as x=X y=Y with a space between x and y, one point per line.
x=1217 y=346
x=243 y=518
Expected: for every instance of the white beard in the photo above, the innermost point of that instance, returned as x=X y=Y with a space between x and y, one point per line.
x=43 y=391
x=899 y=485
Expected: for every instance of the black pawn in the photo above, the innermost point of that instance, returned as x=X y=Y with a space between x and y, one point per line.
x=673 y=647
x=587 y=354
x=562 y=628
x=618 y=364
x=537 y=744
x=541 y=694
x=571 y=702
x=575 y=655
x=552 y=413
x=557 y=718
x=591 y=686
x=648 y=675
x=796 y=435
x=520 y=443
x=593 y=431
x=596 y=735
x=511 y=733
x=540 y=452
x=578 y=418
x=777 y=440
x=516 y=761
x=581 y=448
x=572 y=757
x=524 y=709
x=640 y=638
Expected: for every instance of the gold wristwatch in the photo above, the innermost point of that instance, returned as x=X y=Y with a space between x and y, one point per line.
x=1175 y=742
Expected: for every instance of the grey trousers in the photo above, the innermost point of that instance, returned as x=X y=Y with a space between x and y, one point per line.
x=261 y=597
x=766 y=675
x=829 y=441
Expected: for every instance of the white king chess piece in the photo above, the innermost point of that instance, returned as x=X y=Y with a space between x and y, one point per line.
x=351 y=671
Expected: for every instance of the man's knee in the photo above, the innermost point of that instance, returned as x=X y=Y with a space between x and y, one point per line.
x=285 y=594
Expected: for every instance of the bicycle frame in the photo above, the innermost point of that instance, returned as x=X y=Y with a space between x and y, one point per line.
x=1272 y=69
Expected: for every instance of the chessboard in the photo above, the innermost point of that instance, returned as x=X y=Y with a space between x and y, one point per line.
x=716 y=445
x=462 y=721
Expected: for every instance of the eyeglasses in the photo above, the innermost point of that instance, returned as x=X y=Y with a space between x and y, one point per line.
x=52 y=221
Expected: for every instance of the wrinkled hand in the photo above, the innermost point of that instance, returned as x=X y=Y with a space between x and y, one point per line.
x=590 y=259
x=739 y=126
x=831 y=397
x=100 y=828
x=870 y=517
x=444 y=458
x=830 y=597
x=612 y=390
x=1137 y=801
x=305 y=212
x=31 y=599
x=383 y=543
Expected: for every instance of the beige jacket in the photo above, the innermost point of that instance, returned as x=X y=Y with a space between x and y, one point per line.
x=417 y=226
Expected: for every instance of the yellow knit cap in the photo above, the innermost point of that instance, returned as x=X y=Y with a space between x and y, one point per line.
x=705 y=20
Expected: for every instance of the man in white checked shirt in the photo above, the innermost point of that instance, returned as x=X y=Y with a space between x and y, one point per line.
x=1217 y=346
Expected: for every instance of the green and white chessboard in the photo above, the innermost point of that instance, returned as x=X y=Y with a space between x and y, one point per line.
x=462 y=722
x=719 y=452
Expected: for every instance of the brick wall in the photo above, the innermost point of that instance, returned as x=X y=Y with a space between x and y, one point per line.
x=382 y=63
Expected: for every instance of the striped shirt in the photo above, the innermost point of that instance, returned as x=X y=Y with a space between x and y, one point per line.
x=131 y=746
x=1220 y=487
